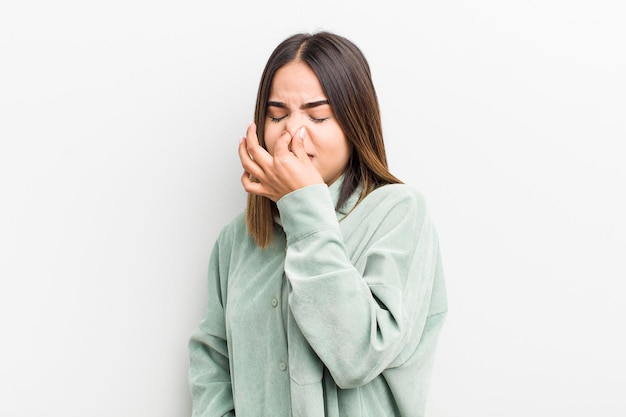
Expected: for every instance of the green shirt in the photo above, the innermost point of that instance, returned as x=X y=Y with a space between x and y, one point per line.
x=339 y=316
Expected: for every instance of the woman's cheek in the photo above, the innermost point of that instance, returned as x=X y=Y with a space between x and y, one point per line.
x=269 y=141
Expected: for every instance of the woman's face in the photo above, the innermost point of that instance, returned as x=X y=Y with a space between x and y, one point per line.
x=297 y=100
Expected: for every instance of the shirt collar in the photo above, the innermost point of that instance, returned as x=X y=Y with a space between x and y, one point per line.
x=335 y=190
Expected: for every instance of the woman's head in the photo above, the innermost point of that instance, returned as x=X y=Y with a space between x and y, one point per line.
x=322 y=82
x=297 y=104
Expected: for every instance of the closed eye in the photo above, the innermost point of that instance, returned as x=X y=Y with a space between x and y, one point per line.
x=316 y=120
x=276 y=119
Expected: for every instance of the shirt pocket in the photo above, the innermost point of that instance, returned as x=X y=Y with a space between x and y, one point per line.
x=305 y=370
x=305 y=367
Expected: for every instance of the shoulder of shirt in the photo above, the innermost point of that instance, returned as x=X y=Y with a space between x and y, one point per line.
x=235 y=229
x=392 y=200
x=396 y=194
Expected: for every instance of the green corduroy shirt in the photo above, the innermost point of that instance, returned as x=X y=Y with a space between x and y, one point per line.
x=338 y=317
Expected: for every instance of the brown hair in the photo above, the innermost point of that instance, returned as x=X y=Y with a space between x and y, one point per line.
x=344 y=74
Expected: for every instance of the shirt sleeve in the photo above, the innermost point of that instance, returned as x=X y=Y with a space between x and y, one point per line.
x=365 y=311
x=209 y=374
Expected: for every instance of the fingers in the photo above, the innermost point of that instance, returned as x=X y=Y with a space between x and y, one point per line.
x=287 y=146
x=288 y=168
x=251 y=133
x=281 y=147
x=254 y=149
x=254 y=158
x=254 y=187
x=297 y=145
x=248 y=164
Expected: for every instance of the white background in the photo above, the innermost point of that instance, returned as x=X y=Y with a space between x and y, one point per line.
x=119 y=123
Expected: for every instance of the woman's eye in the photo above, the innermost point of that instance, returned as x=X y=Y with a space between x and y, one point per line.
x=276 y=119
x=318 y=120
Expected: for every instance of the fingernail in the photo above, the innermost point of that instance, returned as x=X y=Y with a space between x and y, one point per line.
x=302 y=133
x=250 y=123
x=241 y=140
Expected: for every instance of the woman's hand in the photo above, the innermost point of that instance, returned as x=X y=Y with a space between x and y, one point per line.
x=274 y=176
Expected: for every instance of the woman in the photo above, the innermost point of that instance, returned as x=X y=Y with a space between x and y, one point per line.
x=327 y=296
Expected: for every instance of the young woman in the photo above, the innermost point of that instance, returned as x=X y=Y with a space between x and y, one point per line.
x=326 y=296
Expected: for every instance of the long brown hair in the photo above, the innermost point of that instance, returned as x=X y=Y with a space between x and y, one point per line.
x=344 y=74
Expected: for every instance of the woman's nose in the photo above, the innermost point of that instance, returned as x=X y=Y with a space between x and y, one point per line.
x=293 y=125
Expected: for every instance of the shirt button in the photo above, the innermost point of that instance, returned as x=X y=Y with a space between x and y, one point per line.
x=274 y=302
x=282 y=366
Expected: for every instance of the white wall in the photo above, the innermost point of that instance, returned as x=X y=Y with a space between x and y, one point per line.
x=119 y=123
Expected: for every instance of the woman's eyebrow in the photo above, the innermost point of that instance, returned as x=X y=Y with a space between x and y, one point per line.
x=276 y=104
x=313 y=104
x=302 y=107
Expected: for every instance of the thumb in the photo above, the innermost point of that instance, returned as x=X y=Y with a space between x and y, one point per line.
x=297 y=145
